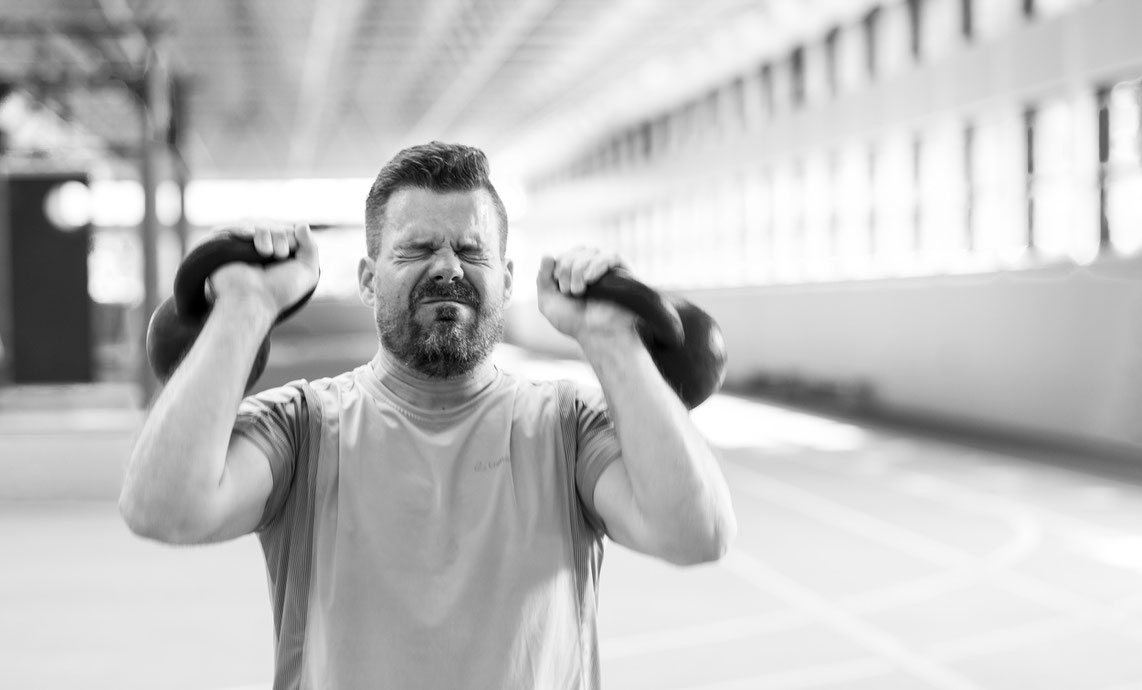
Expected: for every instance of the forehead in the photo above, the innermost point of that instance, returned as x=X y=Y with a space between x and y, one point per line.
x=415 y=214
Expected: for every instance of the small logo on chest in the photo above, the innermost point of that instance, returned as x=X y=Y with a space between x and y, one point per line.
x=487 y=465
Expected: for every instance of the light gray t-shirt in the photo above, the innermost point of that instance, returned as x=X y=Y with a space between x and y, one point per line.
x=410 y=548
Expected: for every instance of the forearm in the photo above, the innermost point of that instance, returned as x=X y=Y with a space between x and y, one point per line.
x=179 y=459
x=674 y=475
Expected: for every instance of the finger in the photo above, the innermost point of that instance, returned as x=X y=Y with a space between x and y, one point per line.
x=562 y=274
x=545 y=278
x=281 y=242
x=301 y=240
x=578 y=265
x=263 y=241
x=599 y=265
x=240 y=229
x=586 y=269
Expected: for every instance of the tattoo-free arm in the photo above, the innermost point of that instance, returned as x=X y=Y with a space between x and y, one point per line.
x=667 y=496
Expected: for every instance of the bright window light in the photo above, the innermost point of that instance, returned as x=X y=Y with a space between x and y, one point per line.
x=854 y=202
x=68 y=206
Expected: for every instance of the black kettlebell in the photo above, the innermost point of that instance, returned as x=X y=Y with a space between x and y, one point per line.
x=685 y=342
x=176 y=322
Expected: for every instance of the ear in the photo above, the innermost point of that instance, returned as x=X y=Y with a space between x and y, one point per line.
x=509 y=279
x=366 y=271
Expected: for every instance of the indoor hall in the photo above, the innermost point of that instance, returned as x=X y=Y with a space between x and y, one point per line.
x=913 y=227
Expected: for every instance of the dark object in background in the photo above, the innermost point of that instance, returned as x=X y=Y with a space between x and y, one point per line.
x=49 y=337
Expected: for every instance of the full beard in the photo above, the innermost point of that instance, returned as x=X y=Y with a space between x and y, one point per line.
x=447 y=347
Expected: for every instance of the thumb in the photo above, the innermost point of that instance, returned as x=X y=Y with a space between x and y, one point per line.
x=545 y=279
x=306 y=247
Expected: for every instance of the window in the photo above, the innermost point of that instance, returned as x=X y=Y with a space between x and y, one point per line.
x=1123 y=176
x=754 y=106
x=780 y=75
x=991 y=18
x=735 y=106
x=943 y=198
x=893 y=40
x=941 y=27
x=998 y=178
x=797 y=88
x=871 y=30
x=766 y=93
x=915 y=10
x=831 y=81
x=816 y=73
x=676 y=262
x=818 y=217
x=727 y=258
x=852 y=67
x=757 y=201
x=660 y=136
x=1051 y=8
x=787 y=221
x=711 y=127
x=1064 y=179
x=853 y=208
x=894 y=199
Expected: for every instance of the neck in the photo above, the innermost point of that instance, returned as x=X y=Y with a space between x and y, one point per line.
x=423 y=391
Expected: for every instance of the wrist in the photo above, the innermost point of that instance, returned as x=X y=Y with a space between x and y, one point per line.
x=608 y=344
x=256 y=310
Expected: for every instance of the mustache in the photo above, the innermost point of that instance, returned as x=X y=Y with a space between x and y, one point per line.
x=458 y=292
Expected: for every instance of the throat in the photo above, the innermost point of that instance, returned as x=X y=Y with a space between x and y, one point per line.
x=425 y=392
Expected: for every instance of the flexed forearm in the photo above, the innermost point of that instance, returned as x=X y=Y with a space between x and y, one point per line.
x=180 y=456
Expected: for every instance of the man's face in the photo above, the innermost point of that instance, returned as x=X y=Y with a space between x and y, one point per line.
x=439 y=284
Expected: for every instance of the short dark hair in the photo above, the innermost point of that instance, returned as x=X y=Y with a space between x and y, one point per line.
x=435 y=166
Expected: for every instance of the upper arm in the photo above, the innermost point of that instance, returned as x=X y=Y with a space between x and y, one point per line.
x=615 y=503
x=268 y=435
x=602 y=478
x=243 y=491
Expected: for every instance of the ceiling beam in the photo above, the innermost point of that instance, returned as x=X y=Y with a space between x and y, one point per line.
x=432 y=37
x=324 y=77
x=454 y=99
x=132 y=45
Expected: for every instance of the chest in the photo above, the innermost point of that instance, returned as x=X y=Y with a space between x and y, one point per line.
x=487 y=491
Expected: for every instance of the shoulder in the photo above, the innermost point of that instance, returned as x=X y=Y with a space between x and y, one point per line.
x=293 y=394
x=286 y=395
x=565 y=395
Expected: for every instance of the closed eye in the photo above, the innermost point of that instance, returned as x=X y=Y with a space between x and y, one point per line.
x=472 y=253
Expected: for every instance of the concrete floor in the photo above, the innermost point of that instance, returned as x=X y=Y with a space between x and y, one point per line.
x=866 y=560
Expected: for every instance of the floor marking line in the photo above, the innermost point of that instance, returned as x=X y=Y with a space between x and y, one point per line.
x=919 y=546
x=982 y=644
x=871 y=638
x=699 y=635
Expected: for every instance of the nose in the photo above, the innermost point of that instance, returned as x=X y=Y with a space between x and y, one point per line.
x=446 y=267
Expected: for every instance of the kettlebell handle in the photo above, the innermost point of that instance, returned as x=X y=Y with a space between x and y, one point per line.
x=224 y=248
x=685 y=342
x=659 y=316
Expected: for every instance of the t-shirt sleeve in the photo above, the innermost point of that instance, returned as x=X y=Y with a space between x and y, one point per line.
x=598 y=446
x=277 y=421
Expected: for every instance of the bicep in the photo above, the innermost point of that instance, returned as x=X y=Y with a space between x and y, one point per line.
x=245 y=487
x=615 y=503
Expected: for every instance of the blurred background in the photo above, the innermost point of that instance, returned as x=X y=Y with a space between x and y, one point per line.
x=918 y=223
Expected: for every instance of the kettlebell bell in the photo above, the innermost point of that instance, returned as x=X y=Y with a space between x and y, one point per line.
x=684 y=341
x=176 y=323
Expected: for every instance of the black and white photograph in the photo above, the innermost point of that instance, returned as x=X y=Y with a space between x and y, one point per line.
x=571 y=344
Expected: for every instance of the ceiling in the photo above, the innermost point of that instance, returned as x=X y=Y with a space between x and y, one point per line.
x=331 y=88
